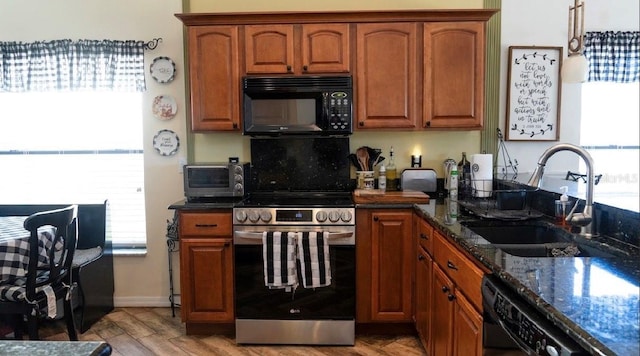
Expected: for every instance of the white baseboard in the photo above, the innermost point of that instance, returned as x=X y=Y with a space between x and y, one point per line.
x=124 y=302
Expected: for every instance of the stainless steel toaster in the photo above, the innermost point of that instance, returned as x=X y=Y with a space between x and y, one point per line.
x=420 y=179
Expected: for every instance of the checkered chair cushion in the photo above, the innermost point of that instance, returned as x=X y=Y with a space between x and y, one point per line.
x=17 y=291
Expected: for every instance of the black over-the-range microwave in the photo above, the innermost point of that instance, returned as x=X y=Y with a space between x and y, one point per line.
x=209 y=180
x=297 y=105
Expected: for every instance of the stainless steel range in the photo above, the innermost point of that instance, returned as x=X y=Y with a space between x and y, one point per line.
x=294 y=246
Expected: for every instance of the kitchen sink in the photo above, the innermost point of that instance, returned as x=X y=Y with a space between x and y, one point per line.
x=517 y=233
x=532 y=239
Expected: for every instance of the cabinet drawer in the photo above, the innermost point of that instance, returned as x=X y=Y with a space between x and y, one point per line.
x=464 y=273
x=425 y=236
x=205 y=224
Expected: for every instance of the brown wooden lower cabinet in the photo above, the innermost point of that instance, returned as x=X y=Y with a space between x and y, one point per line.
x=443 y=307
x=467 y=328
x=448 y=305
x=423 y=298
x=384 y=265
x=206 y=267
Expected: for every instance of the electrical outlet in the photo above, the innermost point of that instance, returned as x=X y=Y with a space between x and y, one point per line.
x=181 y=162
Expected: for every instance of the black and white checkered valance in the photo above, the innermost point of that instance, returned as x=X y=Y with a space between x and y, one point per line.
x=613 y=56
x=65 y=65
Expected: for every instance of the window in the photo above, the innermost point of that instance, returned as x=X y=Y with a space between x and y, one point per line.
x=94 y=137
x=72 y=128
x=610 y=122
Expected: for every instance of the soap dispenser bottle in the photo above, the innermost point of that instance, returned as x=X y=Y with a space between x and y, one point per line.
x=562 y=207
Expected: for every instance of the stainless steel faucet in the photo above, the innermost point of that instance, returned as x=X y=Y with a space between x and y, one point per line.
x=584 y=219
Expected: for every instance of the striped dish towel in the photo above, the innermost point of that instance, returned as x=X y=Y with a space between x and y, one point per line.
x=315 y=265
x=279 y=256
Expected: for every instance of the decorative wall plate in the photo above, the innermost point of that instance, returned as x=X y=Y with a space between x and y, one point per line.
x=163 y=69
x=166 y=142
x=164 y=107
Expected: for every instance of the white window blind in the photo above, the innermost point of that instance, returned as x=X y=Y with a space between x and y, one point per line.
x=76 y=147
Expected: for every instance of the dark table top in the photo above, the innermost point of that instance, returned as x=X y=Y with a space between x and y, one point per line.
x=54 y=348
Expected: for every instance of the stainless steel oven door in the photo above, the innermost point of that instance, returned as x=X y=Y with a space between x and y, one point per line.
x=323 y=315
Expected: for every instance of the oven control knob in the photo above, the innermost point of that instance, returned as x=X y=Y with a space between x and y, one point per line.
x=346 y=216
x=334 y=216
x=265 y=216
x=241 y=216
x=552 y=350
x=254 y=216
x=321 y=216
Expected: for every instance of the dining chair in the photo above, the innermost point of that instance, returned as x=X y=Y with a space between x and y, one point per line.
x=53 y=237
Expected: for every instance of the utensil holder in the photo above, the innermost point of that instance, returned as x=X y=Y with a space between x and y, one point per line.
x=365 y=180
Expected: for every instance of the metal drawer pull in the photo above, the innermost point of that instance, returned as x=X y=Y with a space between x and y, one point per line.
x=206 y=225
x=451 y=265
x=423 y=236
x=258 y=235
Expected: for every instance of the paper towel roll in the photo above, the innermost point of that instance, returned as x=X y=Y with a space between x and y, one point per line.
x=482 y=174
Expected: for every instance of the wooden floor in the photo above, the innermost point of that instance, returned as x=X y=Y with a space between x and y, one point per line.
x=152 y=331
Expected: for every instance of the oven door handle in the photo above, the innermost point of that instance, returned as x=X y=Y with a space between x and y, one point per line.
x=258 y=235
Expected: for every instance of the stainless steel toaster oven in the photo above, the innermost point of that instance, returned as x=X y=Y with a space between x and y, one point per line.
x=210 y=180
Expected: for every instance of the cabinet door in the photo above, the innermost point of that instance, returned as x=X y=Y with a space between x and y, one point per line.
x=462 y=271
x=206 y=280
x=467 y=328
x=325 y=48
x=269 y=49
x=423 y=298
x=454 y=61
x=443 y=309
x=392 y=266
x=214 y=78
x=387 y=68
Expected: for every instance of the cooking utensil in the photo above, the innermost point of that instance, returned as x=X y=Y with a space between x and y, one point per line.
x=363 y=158
x=354 y=161
x=374 y=156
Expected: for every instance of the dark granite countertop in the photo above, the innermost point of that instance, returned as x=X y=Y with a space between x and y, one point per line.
x=211 y=204
x=595 y=300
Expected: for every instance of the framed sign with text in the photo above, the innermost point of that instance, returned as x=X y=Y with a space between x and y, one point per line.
x=533 y=94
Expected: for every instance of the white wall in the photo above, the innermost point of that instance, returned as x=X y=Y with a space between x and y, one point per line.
x=139 y=280
x=545 y=23
x=144 y=280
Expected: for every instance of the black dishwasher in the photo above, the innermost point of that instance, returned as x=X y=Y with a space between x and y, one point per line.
x=507 y=316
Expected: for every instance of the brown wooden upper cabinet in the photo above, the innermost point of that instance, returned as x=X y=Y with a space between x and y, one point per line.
x=386 y=75
x=214 y=78
x=413 y=70
x=454 y=66
x=297 y=49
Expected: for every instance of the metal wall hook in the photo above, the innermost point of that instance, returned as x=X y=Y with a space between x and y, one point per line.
x=151 y=45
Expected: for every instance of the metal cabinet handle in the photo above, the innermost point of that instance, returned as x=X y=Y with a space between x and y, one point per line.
x=206 y=225
x=420 y=257
x=428 y=124
x=289 y=68
x=361 y=123
x=445 y=289
x=423 y=236
x=451 y=265
x=375 y=218
x=305 y=68
x=451 y=297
